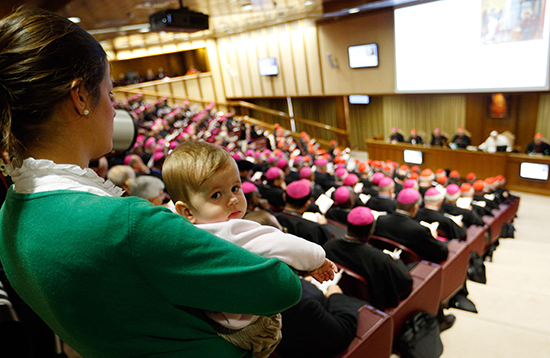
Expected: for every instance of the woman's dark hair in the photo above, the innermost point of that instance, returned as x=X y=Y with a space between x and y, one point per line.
x=41 y=54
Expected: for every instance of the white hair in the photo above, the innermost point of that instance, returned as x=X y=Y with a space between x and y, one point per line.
x=145 y=187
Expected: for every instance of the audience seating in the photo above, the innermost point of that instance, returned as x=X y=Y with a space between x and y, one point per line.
x=455 y=269
x=475 y=239
x=337 y=229
x=427 y=283
x=374 y=338
x=353 y=284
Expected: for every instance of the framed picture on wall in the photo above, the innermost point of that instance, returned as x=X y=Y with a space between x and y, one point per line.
x=498 y=105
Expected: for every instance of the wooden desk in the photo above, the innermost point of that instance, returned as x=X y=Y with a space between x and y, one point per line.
x=482 y=164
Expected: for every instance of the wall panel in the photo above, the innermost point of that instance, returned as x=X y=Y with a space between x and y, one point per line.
x=242 y=63
x=252 y=60
x=286 y=63
x=225 y=67
x=193 y=88
x=207 y=88
x=299 y=58
x=543 y=120
x=215 y=70
x=236 y=76
x=312 y=56
x=278 y=82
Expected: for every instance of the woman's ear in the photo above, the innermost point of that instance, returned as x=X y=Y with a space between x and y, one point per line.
x=183 y=209
x=79 y=96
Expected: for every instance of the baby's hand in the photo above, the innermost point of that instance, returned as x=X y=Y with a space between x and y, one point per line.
x=325 y=272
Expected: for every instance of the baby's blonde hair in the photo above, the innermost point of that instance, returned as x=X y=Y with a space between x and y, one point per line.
x=189 y=165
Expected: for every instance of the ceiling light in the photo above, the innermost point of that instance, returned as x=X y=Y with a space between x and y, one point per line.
x=308 y=2
x=247 y=7
x=75 y=19
x=353 y=10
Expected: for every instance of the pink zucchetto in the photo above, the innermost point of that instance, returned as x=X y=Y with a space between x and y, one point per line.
x=376 y=178
x=248 y=187
x=158 y=156
x=350 y=180
x=281 y=163
x=271 y=159
x=298 y=189
x=453 y=192
x=409 y=183
x=360 y=216
x=305 y=172
x=236 y=156
x=249 y=153
x=257 y=155
x=273 y=173
x=385 y=181
x=408 y=196
x=266 y=152
x=320 y=162
x=433 y=194
x=340 y=173
x=150 y=142
x=279 y=154
x=341 y=195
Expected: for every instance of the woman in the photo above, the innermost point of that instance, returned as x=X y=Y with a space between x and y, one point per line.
x=113 y=276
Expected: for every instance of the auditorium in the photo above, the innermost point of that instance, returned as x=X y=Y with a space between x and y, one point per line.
x=382 y=164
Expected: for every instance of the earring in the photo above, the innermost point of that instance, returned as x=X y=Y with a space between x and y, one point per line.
x=86 y=112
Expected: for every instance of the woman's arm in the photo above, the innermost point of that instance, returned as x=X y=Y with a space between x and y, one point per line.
x=193 y=268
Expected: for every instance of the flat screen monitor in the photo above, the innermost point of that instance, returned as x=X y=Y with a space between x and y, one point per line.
x=451 y=46
x=361 y=56
x=533 y=171
x=412 y=156
x=359 y=99
x=268 y=66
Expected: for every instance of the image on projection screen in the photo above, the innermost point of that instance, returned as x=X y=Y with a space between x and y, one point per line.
x=472 y=46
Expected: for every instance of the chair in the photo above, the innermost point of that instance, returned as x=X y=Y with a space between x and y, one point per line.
x=475 y=239
x=455 y=269
x=407 y=255
x=374 y=337
x=427 y=282
x=353 y=284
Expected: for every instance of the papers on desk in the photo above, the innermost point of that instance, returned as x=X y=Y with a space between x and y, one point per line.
x=358 y=188
x=324 y=203
x=433 y=227
x=456 y=218
x=330 y=191
x=490 y=197
x=324 y=286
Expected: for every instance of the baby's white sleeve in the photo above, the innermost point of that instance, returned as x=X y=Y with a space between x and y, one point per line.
x=270 y=242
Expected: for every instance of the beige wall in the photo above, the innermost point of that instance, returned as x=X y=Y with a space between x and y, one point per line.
x=336 y=37
x=294 y=45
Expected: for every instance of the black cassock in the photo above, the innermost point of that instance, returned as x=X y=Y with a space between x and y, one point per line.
x=381 y=204
x=411 y=234
x=388 y=280
x=296 y=225
x=317 y=326
x=469 y=218
x=447 y=226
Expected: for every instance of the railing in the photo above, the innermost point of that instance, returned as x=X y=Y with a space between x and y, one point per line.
x=245 y=110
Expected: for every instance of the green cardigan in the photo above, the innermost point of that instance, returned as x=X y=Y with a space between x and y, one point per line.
x=119 y=277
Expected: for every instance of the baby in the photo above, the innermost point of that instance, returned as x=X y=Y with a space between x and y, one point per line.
x=204 y=183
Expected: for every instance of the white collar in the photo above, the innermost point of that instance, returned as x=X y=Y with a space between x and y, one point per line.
x=41 y=175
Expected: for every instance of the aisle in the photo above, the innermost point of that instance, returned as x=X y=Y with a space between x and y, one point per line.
x=514 y=305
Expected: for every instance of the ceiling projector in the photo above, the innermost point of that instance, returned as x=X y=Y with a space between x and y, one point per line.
x=178 y=20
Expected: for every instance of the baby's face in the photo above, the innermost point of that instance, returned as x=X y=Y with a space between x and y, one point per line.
x=220 y=197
